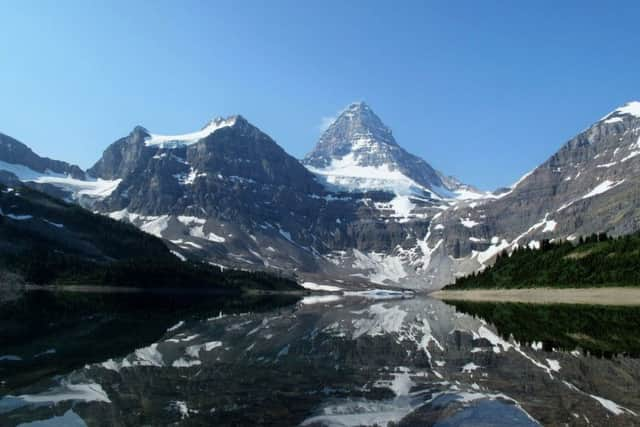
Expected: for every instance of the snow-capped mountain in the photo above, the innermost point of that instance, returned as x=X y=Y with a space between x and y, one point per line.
x=359 y=153
x=591 y=185
x=228 y=194
x=18 y=163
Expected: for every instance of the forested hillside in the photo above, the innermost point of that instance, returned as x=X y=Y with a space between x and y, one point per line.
x=44 y=240
x=598 y=260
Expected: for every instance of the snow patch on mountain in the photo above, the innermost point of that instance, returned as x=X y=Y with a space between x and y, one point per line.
x=402 y=206
x=156 y=226
x=602 y=187
x=150 y=224
x=498 y=245
x=95 y=189
x=549 y=226
x=634 y=150
x=483 y=257
x=196 y=229
x=92 y=188
x=465 y=193
x=468 y=222
x=347 y=173
x=631 y=108
x=175 y=141
x=189 y=178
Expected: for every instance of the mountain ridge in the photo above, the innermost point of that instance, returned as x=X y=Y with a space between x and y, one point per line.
x=232 y=196
x=13 y=151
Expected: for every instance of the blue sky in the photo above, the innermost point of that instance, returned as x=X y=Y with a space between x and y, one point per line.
x=482 y=90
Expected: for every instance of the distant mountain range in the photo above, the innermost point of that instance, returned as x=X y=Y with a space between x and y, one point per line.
x=357 y=208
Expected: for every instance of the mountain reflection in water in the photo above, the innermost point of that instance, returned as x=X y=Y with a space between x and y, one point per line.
x=340 y=360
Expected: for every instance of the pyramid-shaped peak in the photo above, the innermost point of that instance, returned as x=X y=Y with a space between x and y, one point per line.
x=358 y=152
x=357 y=131
x=359 y=119
x=356 y=109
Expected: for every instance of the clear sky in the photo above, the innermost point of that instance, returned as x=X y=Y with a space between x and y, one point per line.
x=484 y=90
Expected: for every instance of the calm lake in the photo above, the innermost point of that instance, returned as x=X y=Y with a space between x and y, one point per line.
x=370 y=358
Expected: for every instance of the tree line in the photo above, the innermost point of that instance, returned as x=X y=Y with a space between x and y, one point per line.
x=596 y=260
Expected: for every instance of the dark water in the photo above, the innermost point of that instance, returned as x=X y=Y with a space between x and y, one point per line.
x=324 y=360
x=597 y=330
x=52 y=333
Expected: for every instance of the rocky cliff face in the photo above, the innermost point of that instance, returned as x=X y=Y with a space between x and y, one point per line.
x=122 y=157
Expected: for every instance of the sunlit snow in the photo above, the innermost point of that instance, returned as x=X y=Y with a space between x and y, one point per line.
x=174 y=141
x=93 y=188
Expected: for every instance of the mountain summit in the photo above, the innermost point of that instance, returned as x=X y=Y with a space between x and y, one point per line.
x=358 y=131
x=629 y=110
x=359 y=153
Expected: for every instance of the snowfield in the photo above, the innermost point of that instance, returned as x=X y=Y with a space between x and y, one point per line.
x=347 y=173
x=175 y=141
x=92 y=188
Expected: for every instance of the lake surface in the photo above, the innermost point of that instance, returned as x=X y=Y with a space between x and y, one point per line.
x=370 y=358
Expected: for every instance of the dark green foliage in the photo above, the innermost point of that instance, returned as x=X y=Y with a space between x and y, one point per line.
x=90 y=249
x=597 y=260
x=599 y=330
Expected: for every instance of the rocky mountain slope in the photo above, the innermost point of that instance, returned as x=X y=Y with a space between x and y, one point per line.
x=15 y=152
x=358 y=207
x=358 y=152
x=227 y=193
x=590 y=185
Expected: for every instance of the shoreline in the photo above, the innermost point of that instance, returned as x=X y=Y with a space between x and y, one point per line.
x=620 y=296
x=158 y=291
